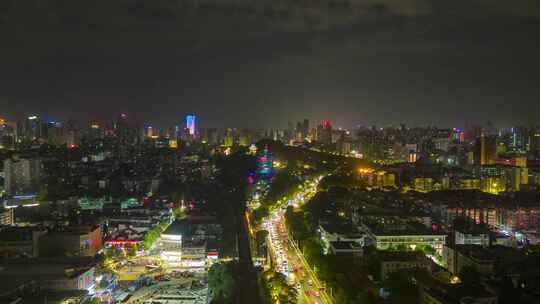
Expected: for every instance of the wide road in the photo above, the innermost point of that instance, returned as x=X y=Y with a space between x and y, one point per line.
x=287 y=257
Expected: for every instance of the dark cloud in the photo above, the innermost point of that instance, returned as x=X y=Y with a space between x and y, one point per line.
x=262 y=63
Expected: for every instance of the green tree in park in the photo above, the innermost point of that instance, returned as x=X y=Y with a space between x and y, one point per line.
x=278 y=289
x=221 y=282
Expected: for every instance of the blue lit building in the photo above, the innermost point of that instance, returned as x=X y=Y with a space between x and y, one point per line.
x=190 y=124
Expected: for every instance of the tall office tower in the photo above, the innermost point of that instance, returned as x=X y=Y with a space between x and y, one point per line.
x=190 y=124
x=29 y=130
x=149 y=132
x=305 y=127
x=121 y=128
x=324 y=132
x=7 y=135
x=21 y=175
x=519 y=139
x=535 y=142
x=54 y=133
x=95 y=131
x=126 y=131
x=485 y=150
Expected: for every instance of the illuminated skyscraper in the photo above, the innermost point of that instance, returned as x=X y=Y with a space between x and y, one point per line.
x=149 y=132
x=190 y=124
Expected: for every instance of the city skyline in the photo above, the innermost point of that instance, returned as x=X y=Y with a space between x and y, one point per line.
x=181 y=121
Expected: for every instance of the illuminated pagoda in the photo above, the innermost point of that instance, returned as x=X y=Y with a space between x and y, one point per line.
x=264 y=163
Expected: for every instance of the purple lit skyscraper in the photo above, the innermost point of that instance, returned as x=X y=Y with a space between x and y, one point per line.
x=190 y=124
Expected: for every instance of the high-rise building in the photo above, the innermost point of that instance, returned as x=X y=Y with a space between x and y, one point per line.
x=124 y=131
x=7 y=135
x=21 y=175
x=54 y=133
x=535 y=142
x=485 y=150
x=519 y=139
x=324 y=132
x=305 y=127
x=30 y=130
x=190 y=124
x=302 y=130
x=72 y=134
x=95 y=131
x=149 y=132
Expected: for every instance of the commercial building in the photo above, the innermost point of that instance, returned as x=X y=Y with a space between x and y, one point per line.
x=474 y=236
x=411 y=240
x=191 y=242
x=171 y=245
x=391 y=233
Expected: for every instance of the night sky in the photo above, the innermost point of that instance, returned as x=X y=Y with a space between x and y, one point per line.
x=248 y=63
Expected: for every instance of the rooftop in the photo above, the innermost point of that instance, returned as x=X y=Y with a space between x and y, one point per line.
x=401 y=227
x=345 y=245
x=343 y=228
x=189 y=226
x=402 y=256
x=25 y=269
x=473 y=251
